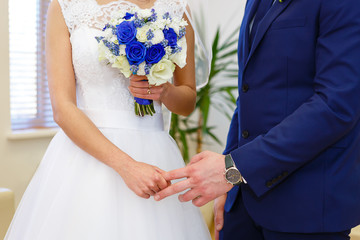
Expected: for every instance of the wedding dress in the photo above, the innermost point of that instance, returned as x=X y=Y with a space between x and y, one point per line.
x=73 y=196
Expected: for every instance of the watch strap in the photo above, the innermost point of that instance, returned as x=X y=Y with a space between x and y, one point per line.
x=229 y=162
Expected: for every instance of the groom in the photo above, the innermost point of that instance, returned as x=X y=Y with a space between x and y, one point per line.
x=293 y=152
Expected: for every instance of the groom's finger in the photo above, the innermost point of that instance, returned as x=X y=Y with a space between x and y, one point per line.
x=176 y=174
x=219 y=216
x=162 y=183
x=189 y=195
x=216 y=235
x=173 y=189
x=200 y=201
x=197 y=157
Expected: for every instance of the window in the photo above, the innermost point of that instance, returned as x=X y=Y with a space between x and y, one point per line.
x=29 y=95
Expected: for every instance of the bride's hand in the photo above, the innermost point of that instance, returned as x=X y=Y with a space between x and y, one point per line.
x=143 y=179
x=141 y=89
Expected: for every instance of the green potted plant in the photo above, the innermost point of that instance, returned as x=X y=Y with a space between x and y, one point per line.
x=221 y=87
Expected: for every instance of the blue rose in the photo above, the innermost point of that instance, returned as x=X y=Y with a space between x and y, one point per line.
x=171 y=36
x=135 y=52
x=155 y=53
x=128 y=16
x=126 y=32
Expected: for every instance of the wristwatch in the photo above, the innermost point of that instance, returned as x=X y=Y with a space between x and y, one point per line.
x=232 y=174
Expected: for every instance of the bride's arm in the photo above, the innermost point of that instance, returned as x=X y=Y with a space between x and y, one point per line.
x=180 y=97
x=141 y=178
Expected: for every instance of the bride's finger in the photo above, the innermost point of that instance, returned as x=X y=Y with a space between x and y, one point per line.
x=144 y=91
x=139 y=84
x=155 y=189
x=142 y=194
x=152 y=192
x=162 y=183
x=138 y=78
x=159 y=170
x=149 y=192
x=173 y=189
x=153 y=186
x=148 y=95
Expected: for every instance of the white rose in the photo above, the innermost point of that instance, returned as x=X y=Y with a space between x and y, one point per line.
x=145 y=13
x=180 y=57
x=158 y=36
x=168 y=51
x=122 y=63
x=160 y=24
x=105 y=54
x=141 y=70
x=113 y=39
x=108 y=33
x=161 y=72
x=122 y=48
x=102 y=51
x=141 y=33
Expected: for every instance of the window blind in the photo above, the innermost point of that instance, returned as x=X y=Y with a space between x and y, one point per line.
x=29 y=95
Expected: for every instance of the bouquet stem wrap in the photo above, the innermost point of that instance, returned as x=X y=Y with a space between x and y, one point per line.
x=144 y=107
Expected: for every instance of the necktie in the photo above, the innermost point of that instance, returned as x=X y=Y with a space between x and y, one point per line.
x=263 y=8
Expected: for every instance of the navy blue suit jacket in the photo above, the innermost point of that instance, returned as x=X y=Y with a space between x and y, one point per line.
x=295 y=134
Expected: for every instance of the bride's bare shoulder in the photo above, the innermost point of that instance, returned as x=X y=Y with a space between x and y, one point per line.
x=55 y=18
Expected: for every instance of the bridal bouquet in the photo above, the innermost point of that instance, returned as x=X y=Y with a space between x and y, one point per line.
x=140 y=42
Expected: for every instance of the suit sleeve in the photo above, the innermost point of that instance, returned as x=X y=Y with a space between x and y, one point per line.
x=232 y=137
x=324 y=118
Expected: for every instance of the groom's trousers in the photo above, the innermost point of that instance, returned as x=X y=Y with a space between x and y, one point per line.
x=238 y=225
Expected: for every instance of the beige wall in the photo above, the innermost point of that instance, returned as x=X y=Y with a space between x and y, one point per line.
x=18 y=158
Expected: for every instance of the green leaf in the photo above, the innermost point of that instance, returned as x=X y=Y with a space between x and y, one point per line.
x=185 y=145
x=228 y=54
x=220 y=108
x=214 y=137
x=184 y=129
x=205 y=109
x=225 y=46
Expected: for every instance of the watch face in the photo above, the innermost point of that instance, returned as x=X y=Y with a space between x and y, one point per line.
x=233 y=175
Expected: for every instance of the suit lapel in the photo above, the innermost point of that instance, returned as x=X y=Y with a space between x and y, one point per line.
x=265 y=24
x=243 y=45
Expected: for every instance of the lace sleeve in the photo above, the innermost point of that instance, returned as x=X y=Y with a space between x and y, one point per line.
x=78 y=12
x=177 y=7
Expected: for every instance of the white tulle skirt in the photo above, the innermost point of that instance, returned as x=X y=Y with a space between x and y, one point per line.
x=73 y=196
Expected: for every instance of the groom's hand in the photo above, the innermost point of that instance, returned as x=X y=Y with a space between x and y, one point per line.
x=204 y=178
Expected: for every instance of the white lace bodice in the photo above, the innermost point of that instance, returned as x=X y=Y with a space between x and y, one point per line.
x=99 y=86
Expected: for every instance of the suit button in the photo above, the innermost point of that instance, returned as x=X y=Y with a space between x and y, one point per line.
x=245 y=88
x=269 y=184
x=245 y=134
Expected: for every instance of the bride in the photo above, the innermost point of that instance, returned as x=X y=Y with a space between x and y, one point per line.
x=97 y=177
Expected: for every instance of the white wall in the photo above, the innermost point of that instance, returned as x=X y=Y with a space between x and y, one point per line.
x=20 y=158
